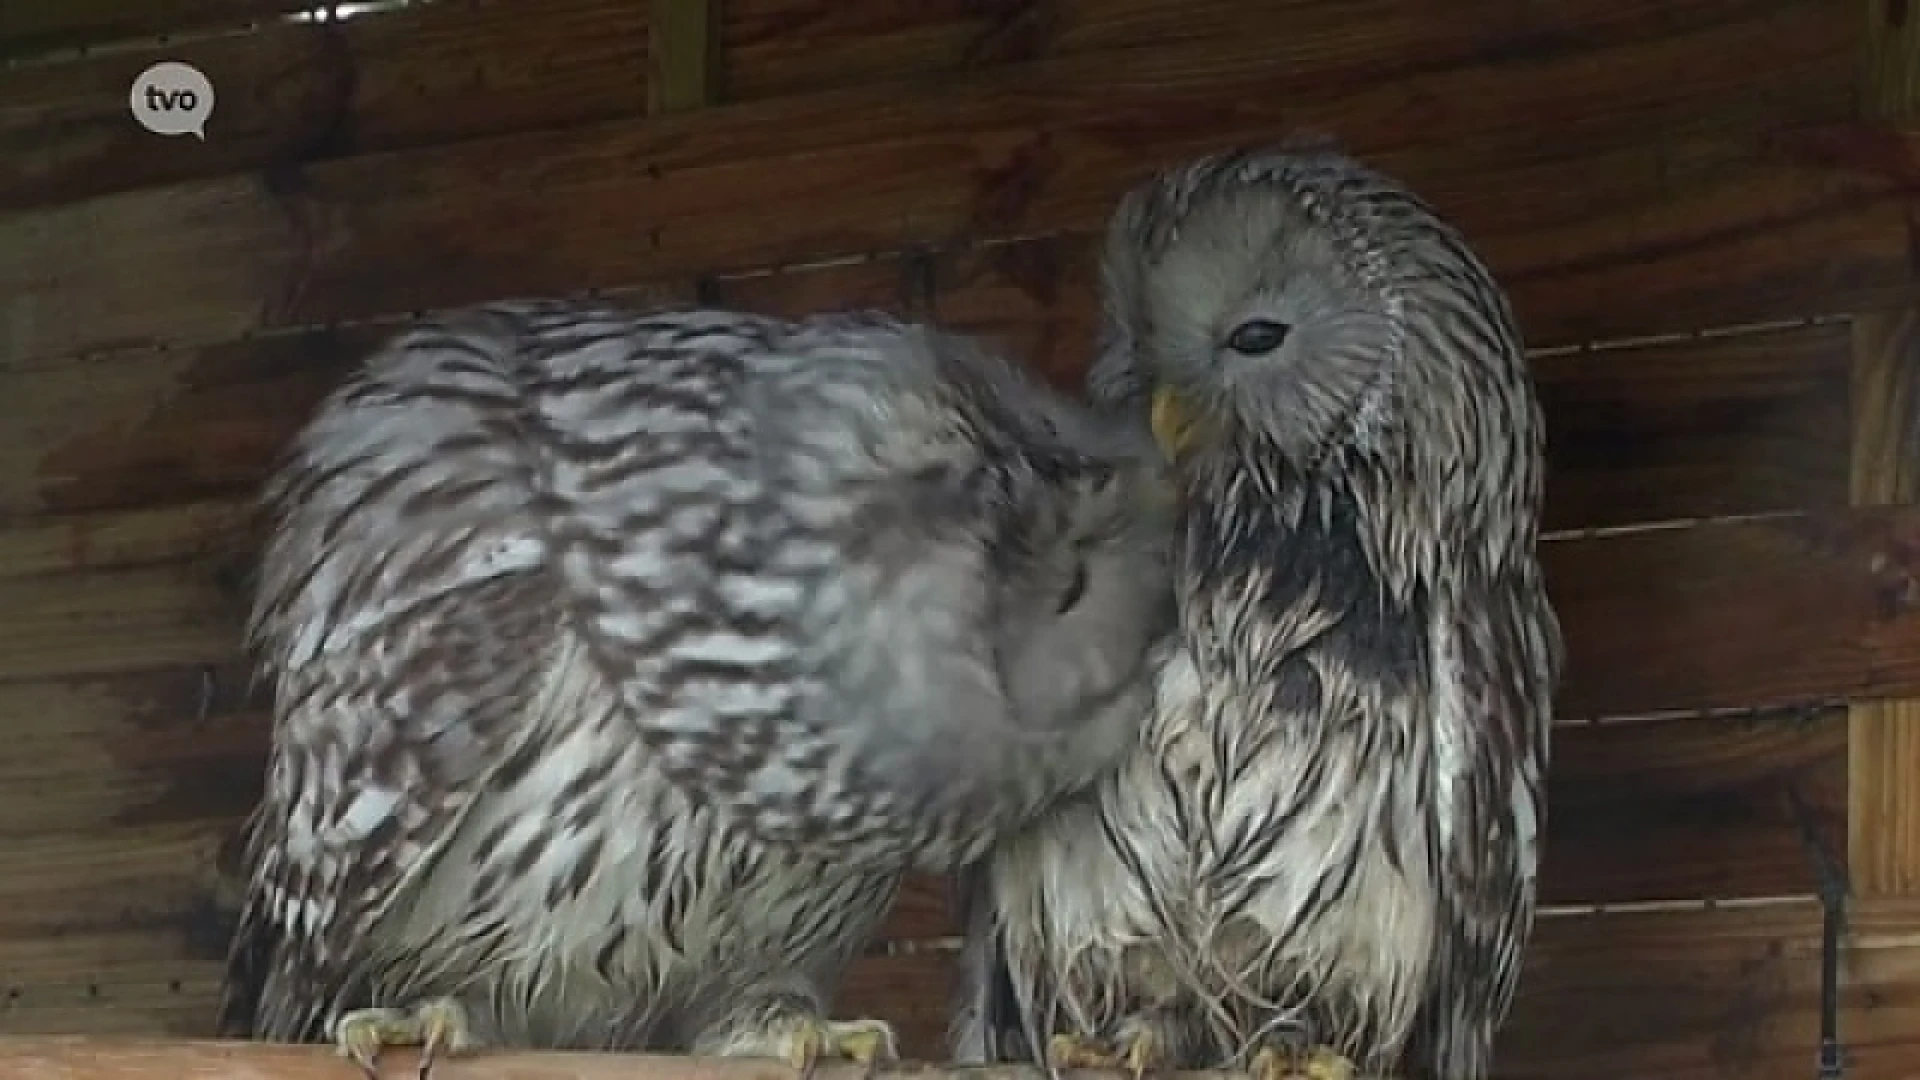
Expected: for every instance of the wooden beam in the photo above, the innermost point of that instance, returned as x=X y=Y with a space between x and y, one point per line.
x=30 y=27
x=438 y=72
x=1650 y=212
x=681 y=57
x=417 y=76
x=1883 y=840
x=78 y=1058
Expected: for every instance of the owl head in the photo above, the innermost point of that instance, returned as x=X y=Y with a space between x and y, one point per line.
x=1294 y=309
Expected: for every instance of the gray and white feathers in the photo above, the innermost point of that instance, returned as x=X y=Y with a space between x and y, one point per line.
x=623 y=662
x=1329 y=830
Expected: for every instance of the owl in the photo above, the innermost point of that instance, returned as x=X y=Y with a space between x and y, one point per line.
x=1321 y=851
x=623 y=662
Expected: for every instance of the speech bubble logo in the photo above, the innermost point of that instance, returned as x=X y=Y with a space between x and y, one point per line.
x=171 y=98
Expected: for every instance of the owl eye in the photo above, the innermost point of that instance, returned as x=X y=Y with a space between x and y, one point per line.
x=1256 y=337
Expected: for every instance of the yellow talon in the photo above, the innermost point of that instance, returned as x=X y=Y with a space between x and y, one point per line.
x=1072 y=1052
x=1319 y=1063
x=802 y=1041
x=866 y=1042
x=437 y=1025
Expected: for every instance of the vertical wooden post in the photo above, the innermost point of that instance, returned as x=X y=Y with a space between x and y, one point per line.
x=682 y=40
x=1883 y=804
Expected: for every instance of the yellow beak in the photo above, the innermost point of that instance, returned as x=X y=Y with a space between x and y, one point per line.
x=1172 y=424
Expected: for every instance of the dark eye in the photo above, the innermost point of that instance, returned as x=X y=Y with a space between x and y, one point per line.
x=1256 y=337
x=1075 y=589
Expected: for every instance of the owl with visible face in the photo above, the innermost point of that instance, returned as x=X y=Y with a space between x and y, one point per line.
x=1321 y=851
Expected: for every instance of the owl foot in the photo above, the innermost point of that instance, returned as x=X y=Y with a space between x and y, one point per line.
x=436 y=1026
x=801 y=1041
x=1286 y=1063
x=1142 y=1054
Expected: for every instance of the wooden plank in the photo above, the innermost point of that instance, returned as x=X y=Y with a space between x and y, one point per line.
x=118 y=620
x=1737 y=425
x=1747 y=424
x=437 y=71
x=1884 y=842
x=163 y=879
x=680 y=54
x=1698 y=994
x=31 y=27
x=221 y=528
x=775 y=48
x=292 y=93
x=1664 y=204
x=191 y=424
x=1730 y=993
x=167 y=748
x=1673 y=619
x=54 y=1058
x=108 y=966
x=1692 y=809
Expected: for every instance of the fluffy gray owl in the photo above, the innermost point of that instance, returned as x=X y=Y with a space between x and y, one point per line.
x=623 y=663
x=1326 y=838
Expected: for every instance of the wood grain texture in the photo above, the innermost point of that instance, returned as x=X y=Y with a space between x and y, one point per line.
x=173 y=747
x=1665 y=202
x=1884 y=842
x=291 y=93
x=1726 y=994
x=1720 y=426
x=1747 y=424
x=1701 y=994
x=306 y=92
x=1695 y=809
x=680 y=54
x=147 y=536
x=32 y=27
x=103 y=621
x=1769 y=612
x=56 y=1058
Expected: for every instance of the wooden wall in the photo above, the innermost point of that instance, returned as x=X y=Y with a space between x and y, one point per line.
x=1702 y=208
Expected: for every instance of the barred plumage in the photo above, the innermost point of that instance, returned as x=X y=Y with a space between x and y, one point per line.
x=623 y=662
x=1329 y=832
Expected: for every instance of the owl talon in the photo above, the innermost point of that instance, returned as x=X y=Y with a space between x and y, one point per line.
x=444 y=1030
x=436 y=1026
x=1141 y=1055
x=802 y=1041
x=1319 y=1063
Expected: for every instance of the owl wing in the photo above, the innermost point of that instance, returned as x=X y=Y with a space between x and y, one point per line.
x=405 y=620
x=989 y=1024
x=1488 y=822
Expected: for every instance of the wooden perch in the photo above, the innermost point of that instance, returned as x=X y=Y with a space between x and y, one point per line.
x=72 y=1057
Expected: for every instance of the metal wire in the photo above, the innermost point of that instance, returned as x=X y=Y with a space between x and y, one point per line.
x=1831 y=881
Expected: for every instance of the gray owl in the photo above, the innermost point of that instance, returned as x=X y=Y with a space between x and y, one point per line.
x=623 y=663
x=1321 y=853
